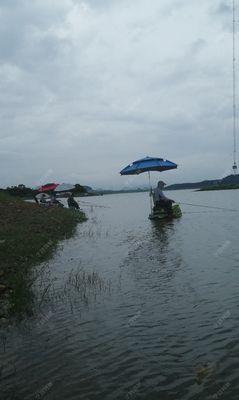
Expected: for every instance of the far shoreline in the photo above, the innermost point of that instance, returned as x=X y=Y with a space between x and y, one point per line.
x=218 y=187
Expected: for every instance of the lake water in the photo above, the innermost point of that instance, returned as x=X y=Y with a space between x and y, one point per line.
x=158 y=319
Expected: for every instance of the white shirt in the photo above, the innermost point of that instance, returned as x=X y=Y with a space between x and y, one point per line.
x=158 y=194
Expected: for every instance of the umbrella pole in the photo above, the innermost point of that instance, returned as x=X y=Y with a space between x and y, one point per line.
x=150 y=189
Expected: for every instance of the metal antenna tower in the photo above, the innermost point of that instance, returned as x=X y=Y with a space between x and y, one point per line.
x=234 y=167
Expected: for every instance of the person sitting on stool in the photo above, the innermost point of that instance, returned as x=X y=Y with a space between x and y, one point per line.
x=160 y=200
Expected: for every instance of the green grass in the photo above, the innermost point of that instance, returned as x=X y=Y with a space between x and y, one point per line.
x=28 y=236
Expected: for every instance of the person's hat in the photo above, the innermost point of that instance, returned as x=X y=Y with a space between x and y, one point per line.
x=161 y=183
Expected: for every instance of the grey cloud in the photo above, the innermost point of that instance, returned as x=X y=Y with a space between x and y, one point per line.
x=224 y=8
x=222 y=13
x=88 y=86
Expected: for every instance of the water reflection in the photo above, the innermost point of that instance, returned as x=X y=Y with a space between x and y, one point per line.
x=168 y=327
x=155 y=253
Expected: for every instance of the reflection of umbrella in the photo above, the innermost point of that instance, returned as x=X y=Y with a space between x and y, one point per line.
x=148 y=164
x=64 y=187
x=49 y=187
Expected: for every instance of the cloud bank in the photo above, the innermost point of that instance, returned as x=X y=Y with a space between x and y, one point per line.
x=89 y=86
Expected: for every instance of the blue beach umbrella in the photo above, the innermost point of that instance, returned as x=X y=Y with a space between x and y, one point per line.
x=148 y=164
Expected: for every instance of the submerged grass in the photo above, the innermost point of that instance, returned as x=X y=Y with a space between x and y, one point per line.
x=28 y=236
x=86 y=285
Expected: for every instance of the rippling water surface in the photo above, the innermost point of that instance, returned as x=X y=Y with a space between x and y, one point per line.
x=158 y=319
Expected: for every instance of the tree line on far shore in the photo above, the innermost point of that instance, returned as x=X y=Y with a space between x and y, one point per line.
x=27 y=192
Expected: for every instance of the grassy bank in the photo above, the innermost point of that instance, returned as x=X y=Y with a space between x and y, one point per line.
x=28 y=236
x=220 y=187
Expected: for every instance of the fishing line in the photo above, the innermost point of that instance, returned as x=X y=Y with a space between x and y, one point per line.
x=216 y=208
x=86 y=204
x=200 y=212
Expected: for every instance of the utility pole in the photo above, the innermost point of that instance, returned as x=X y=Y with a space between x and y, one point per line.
x=234 y=167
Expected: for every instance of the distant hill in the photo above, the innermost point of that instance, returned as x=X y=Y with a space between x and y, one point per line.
x=232 y=179
x=105 y=191
x=228 y=180
x=88 y=189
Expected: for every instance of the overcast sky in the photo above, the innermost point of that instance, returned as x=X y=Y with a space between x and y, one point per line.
x=89 y=86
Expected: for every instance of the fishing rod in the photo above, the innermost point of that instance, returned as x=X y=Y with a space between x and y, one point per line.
x=203 y=205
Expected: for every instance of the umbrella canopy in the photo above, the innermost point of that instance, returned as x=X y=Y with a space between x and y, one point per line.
x=49 y=187
x=148 y=164
x=64 y=187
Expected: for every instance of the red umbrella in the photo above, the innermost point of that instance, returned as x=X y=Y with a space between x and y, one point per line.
x=49 y=187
